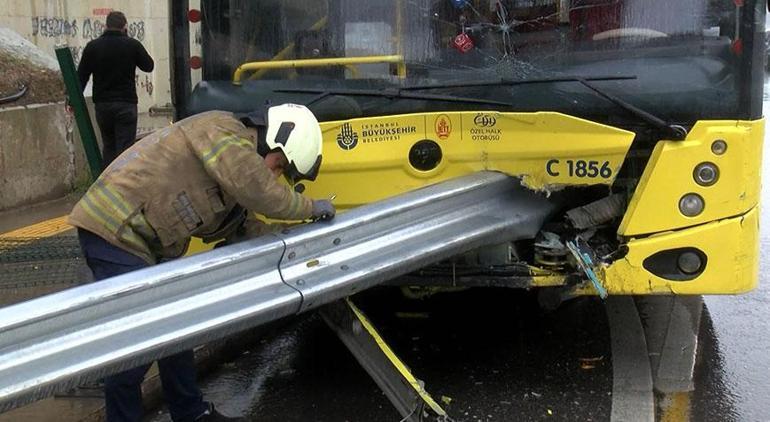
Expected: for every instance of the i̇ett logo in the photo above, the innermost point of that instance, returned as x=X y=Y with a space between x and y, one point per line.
x=347 y=138
x=484 y=120
x=443 y=126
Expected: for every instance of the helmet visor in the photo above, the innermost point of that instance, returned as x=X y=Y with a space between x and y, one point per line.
x=293 y=175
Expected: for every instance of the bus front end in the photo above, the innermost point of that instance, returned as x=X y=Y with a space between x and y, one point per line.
x=640 y=120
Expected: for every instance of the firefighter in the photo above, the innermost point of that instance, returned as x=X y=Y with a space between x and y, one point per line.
x=197 y=177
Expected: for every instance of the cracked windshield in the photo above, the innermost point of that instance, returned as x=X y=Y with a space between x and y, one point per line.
x=676 y=58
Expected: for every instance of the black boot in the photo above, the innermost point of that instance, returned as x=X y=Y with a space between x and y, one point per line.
x=212 y=415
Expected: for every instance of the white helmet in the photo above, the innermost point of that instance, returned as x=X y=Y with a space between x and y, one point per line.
x=293 y=129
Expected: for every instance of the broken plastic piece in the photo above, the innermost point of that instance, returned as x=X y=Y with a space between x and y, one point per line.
x=586 y=264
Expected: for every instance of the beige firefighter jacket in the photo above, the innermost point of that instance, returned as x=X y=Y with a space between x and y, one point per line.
x=183 y=181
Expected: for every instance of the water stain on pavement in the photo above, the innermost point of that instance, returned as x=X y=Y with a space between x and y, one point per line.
x=487 y=354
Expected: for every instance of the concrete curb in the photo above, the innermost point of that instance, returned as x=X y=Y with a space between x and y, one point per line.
x=671 y=324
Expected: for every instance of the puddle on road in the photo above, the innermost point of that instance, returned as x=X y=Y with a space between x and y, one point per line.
x=301 y=372
x=734 y=358
x=713 y=398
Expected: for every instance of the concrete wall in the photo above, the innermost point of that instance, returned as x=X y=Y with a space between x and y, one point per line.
x=49 y=23
x=40 y=155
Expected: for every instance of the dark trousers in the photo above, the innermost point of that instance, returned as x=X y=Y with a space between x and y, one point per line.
x=123 y=391
x=117 y=124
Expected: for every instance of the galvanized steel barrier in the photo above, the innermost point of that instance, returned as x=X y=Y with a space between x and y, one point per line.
x=57 y=341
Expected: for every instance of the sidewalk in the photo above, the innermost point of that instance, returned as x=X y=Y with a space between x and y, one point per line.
x=16 y=220
x=39 y=255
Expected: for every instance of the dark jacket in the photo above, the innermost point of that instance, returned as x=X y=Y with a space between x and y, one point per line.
x=112 y=59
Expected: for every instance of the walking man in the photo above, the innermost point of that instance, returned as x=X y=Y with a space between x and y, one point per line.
x=112 y=59
x=196 y=177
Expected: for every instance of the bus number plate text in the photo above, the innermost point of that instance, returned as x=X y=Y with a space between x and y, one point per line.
x=579 y=168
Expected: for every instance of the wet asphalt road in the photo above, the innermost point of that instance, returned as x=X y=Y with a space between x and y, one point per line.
x=492 y=354
x=734 y=373
x=496 y=356
x=733 y=376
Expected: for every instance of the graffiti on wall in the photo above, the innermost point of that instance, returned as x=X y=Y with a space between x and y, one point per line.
x=136 y=30
x=145 y=84
x=78 y=31
x=54 y=27
x=89 y=28
x=101 y=11
x=92 y=28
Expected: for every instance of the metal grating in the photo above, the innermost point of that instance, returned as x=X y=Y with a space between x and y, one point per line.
x=29 y=262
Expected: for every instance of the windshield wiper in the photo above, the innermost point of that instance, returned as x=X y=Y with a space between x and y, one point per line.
x=390 y=93
x=673 y=131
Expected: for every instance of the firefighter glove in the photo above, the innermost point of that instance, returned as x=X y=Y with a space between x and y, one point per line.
x=323 y=209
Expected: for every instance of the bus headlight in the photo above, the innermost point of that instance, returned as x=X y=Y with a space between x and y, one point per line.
x=706 y=174
x=719 y=147
x=691 y=205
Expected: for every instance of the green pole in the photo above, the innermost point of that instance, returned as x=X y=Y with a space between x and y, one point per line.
x=78 y=104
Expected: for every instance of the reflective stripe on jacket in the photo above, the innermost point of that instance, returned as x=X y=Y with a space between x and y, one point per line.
x=183 y=181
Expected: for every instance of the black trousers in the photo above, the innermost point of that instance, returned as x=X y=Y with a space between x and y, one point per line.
x=117 y=123
x=123 y=391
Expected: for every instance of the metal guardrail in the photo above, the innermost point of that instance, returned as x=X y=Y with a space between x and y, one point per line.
x=60 y=340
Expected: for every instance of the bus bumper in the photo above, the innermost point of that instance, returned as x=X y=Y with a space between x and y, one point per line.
x=730 y=247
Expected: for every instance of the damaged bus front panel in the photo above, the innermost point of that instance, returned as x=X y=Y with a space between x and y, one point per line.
x=640 y=120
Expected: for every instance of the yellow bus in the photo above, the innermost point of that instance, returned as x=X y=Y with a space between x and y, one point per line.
x=642 y=119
